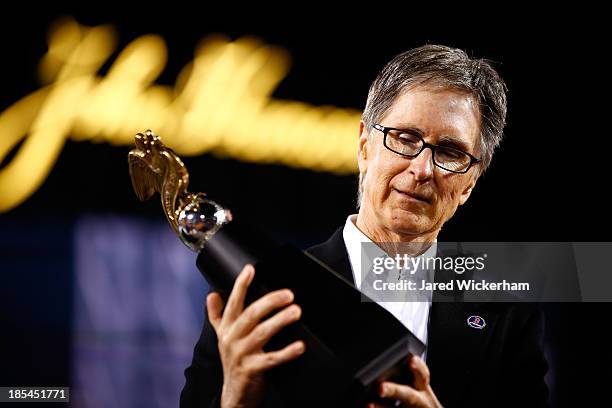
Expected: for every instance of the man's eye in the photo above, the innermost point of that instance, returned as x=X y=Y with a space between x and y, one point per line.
x=408 y=138
x=450 y=154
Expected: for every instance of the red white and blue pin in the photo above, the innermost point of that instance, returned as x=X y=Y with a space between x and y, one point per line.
x=476 y=322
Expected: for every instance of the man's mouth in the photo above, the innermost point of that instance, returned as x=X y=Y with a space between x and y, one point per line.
x=414 y=196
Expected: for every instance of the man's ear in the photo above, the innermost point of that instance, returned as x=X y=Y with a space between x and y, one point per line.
x=364 y=146
x=467 y=191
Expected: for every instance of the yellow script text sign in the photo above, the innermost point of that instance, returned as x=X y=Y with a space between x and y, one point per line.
x=221 y=103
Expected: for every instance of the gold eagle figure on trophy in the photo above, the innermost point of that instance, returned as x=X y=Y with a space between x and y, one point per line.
x=155 y=168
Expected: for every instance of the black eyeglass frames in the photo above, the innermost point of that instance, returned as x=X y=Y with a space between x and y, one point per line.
x=411 y=144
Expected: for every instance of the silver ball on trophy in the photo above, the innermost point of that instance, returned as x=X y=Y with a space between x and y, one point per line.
x=199 y=220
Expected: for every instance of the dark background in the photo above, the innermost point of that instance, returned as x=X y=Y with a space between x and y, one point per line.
x=548 y=181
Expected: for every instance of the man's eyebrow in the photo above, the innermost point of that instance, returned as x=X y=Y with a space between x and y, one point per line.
x=411 y=129
x=447 y=140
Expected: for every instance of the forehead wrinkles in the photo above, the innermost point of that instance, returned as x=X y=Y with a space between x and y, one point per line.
x=438 y=111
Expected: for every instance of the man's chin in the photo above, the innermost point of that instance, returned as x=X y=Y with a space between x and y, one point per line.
x=409 y=226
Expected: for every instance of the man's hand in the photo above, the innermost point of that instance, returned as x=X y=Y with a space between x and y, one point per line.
x=242 y=335
x=421 y=395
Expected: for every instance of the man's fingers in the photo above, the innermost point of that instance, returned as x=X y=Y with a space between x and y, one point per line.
x=264 y=331
x=404 y=393
x=235 y=302
x=259 y=309
x=266 y=361
x=421 y=395
x=214 y=307
x=420 y=371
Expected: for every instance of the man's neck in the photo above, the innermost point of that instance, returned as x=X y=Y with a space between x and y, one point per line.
x=385 y=236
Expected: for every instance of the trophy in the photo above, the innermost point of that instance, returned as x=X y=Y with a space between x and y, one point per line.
x=351 y=344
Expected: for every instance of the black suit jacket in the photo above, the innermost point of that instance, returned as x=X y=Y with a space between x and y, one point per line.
x=500 y=365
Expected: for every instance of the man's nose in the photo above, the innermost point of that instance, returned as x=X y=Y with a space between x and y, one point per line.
x=422 y=165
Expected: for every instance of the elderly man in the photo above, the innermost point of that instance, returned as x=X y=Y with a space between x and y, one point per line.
x=432 y=121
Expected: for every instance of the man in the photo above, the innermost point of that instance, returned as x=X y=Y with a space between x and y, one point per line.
x=432 y=121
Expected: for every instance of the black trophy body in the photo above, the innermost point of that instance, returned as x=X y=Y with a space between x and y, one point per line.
x=351 y=344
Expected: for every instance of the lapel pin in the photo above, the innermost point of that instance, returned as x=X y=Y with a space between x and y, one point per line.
x=476 y=322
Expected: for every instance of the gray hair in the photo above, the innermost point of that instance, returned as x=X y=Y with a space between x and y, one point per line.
x=444 y=67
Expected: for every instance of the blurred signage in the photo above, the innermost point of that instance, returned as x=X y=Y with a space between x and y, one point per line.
x=221 y=103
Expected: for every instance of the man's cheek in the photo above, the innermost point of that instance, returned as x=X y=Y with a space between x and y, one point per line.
x=442 y=204
x=448 y=205
x=375 y=194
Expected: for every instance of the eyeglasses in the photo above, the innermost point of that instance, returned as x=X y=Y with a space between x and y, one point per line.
x=410 y=144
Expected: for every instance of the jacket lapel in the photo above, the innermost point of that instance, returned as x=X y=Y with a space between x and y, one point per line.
x=454 y=349
x=333 y=253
